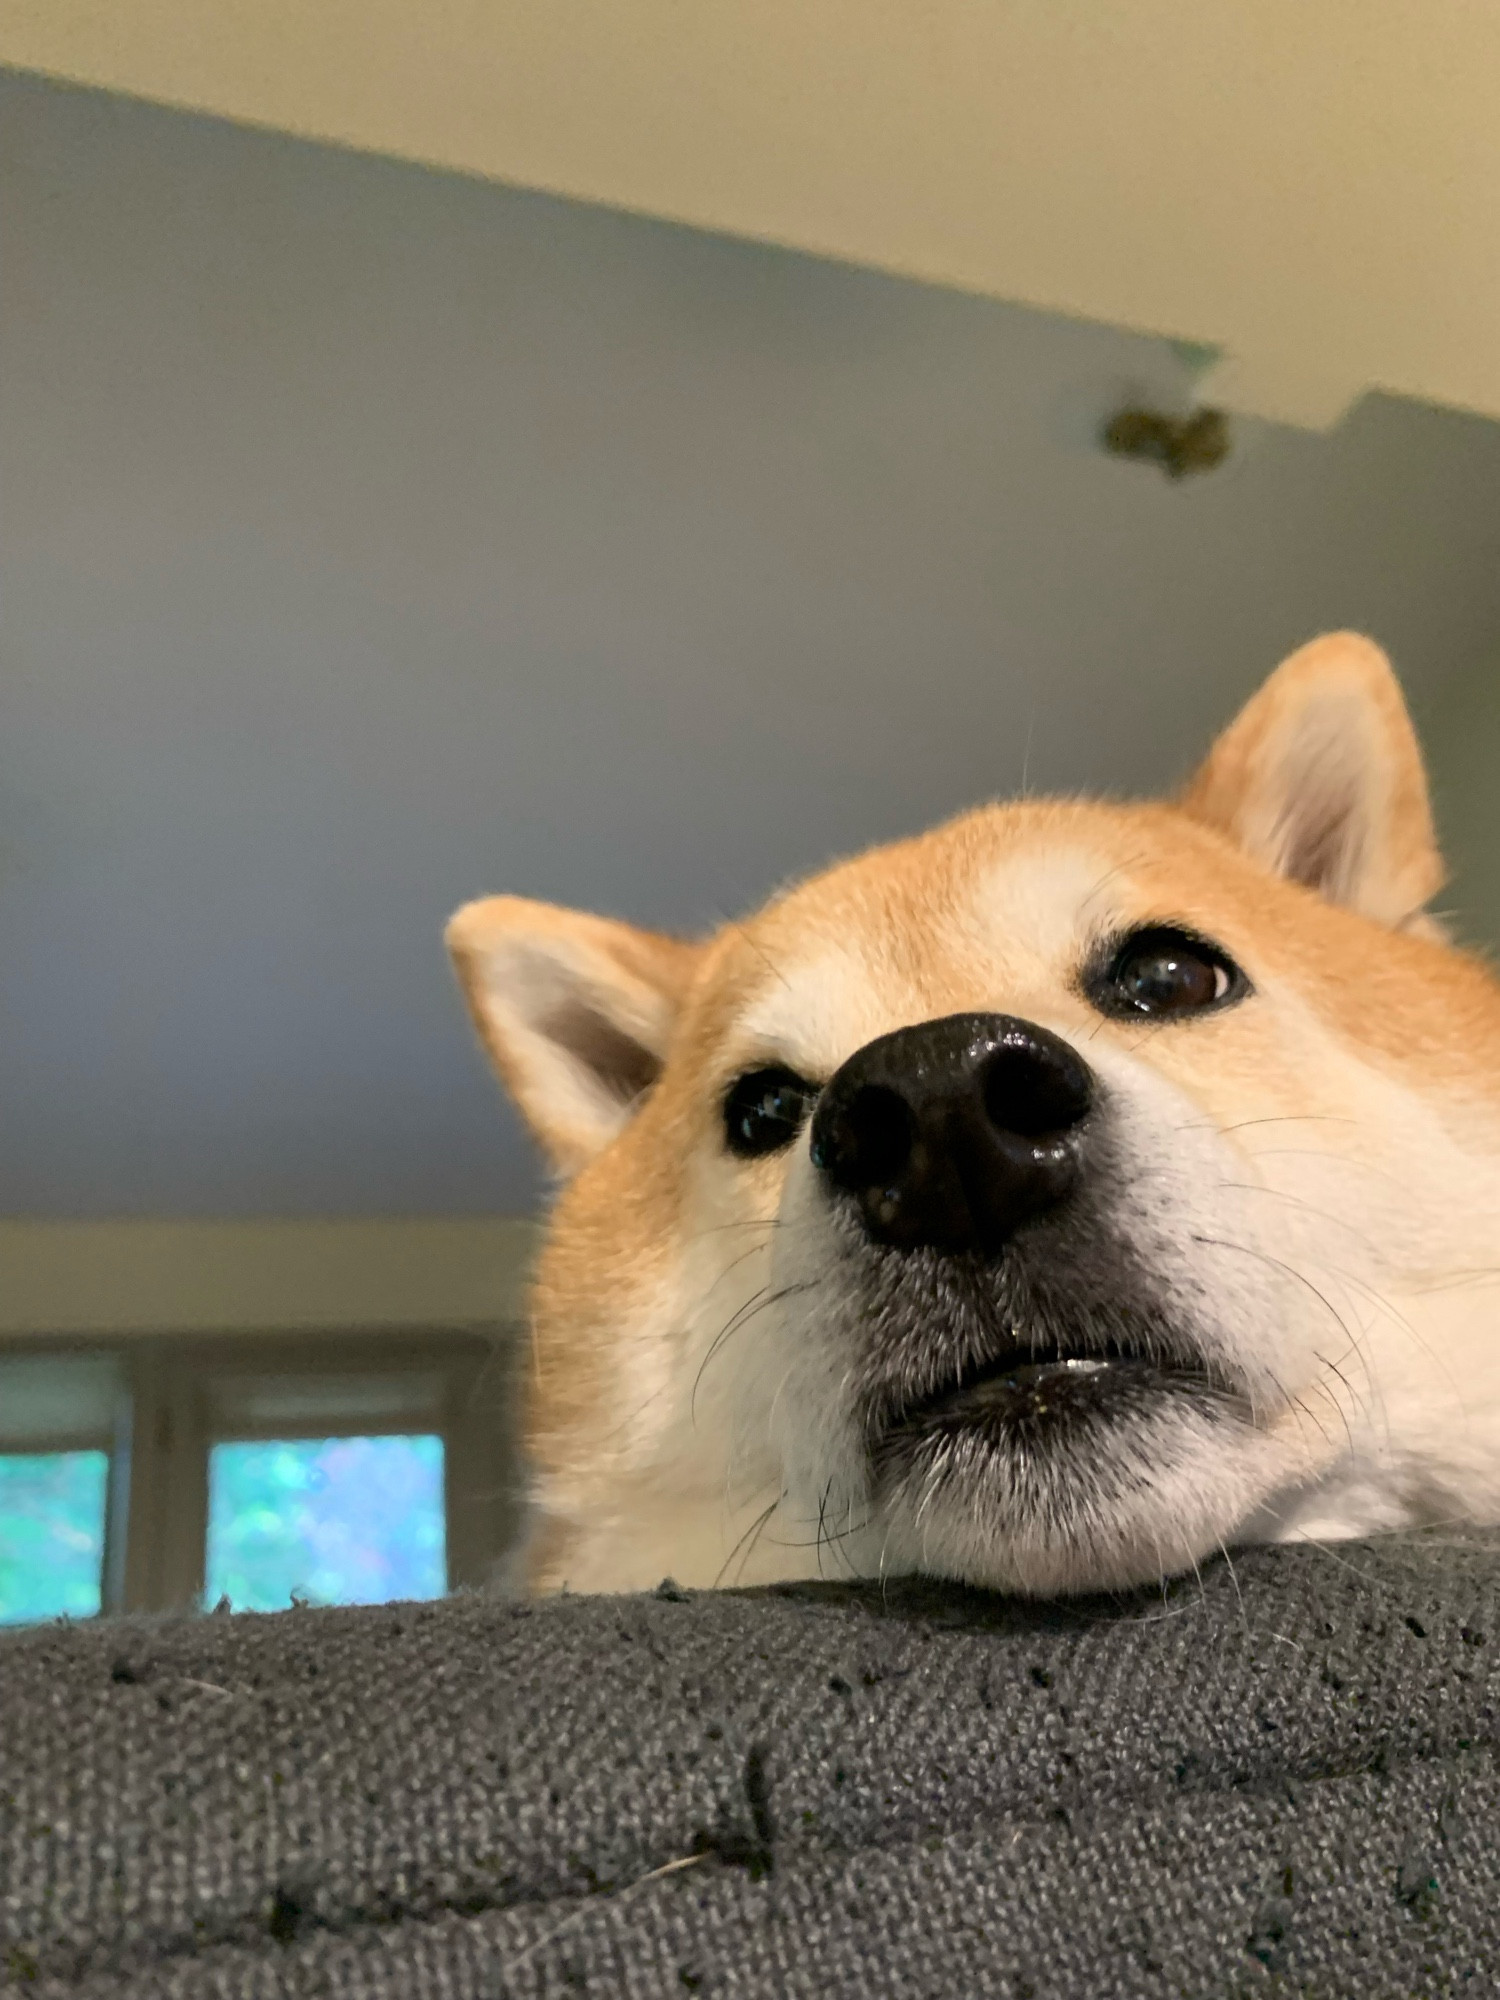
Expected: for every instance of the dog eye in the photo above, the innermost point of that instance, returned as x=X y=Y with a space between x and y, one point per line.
x=1163 y=971
x=764 y=1111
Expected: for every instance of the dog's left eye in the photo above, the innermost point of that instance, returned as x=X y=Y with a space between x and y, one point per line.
x=1163 y=971
x=764 y=1111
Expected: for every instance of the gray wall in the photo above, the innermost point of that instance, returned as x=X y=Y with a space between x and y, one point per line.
x=1463 y=752
x=373 y=538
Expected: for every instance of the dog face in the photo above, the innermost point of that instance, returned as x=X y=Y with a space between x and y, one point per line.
x=1047 y=1201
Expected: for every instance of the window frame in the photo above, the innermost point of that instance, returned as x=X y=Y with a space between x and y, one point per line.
x=175 y=1390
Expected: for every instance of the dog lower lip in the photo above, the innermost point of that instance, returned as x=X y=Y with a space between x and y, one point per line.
x=1030 y=1385
x=1041 y=1370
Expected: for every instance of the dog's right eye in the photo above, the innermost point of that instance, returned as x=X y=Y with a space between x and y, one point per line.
x=764 y=1111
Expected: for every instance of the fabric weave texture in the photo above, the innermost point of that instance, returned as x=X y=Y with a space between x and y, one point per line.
x=1280 y=1778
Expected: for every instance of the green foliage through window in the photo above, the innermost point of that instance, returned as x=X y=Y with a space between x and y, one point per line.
x=344 y=1520
x=51 y=1534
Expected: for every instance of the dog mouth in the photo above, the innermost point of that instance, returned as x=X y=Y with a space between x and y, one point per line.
x=1040 y=1398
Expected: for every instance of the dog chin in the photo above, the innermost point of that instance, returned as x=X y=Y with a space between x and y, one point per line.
x=1064 y=1417
x=1067 y=1475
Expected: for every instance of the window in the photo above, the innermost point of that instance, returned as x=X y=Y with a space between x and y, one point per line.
x=336 y=1520
x=159 y=1474
x=57 y=1426
x=51 y=1534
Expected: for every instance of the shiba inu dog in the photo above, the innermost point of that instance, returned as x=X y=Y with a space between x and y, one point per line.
x=1048 y=1201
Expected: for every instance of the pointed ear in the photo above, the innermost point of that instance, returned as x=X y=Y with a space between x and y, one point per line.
x=574 y=1010
x=1320 y=779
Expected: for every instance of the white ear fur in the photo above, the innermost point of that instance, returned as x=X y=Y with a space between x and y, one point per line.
x=575 y=1012
x=1320 y=779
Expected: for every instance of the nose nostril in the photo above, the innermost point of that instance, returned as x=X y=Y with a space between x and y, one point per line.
x=872 y=1139
x=1033 y=1093
x=953 y=1134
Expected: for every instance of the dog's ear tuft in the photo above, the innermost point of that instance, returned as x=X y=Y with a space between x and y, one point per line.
x=1320 y=779
x=574 y=1010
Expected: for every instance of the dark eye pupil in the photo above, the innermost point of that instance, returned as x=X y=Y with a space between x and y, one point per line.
x=1169 y=972
x=1167 y=979
x=764 y=1111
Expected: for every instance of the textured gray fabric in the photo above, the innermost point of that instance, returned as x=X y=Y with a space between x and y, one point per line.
x=1283 y=1779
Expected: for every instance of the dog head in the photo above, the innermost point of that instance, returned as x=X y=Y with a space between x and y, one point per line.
x=1046 y=1201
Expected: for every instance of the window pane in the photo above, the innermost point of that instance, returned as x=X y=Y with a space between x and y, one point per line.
x=344 y=1520
x=51 y=1533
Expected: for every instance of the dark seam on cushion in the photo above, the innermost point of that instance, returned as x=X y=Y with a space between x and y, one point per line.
x=243 y=1933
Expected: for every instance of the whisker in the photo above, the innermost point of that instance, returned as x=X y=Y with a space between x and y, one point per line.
x=757 y=1303
x=1346 y=1161
x=1297 y=1201
x=730 y=1268
x=1026 y=753
x=1276 y=1263
x=751 y=1535
x=1383 y=1304
x=1280 y=1118
x=635 y=1415
x=822 y=1520
x=1343 y=1414
x=1485 y=1274
x=829 y=1539
x=744 y=1222
x=734 y=924
x=1111 y=875
x=1239 y=1595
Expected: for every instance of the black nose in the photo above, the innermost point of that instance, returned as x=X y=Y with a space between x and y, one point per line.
x=954 y=1132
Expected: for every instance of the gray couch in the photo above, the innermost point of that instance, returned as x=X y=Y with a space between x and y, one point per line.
x=1281 y=1779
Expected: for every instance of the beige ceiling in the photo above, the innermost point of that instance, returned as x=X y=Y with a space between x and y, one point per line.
x=1314 y=189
